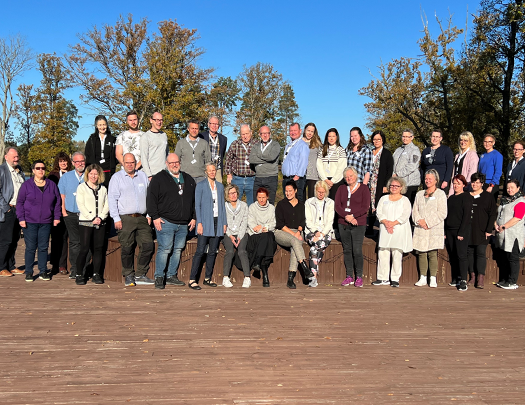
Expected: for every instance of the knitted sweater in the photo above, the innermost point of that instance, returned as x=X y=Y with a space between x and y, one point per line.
x=240 y=213
x=258 y=215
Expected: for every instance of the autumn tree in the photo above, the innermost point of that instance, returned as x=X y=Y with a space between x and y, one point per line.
x=15 y=59
x=223 y=98
x=57 y=116
x=287 y=113
x=26 y=113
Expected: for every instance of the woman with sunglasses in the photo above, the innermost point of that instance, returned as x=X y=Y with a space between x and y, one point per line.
x=38 y=209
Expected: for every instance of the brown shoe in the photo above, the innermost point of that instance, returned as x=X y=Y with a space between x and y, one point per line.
x=63 y=270
x=481 y=281
x=472 y=280
x=6 y=273
x=17 y=271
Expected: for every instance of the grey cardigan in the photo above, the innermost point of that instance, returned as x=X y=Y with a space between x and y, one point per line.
x=406 y=164
x=239 y=225
x=266 y=162
x=204 y=208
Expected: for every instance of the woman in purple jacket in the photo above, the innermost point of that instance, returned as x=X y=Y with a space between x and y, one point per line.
x=37 y=209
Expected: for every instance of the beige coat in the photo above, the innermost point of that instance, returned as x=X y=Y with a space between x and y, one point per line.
x=434 y=212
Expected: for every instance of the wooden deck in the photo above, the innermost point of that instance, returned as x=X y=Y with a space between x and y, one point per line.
x=65 y=344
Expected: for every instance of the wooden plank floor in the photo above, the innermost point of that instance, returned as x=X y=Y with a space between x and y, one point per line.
x=63 y=344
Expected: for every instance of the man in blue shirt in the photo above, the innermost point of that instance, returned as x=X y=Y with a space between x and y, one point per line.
x=67 y=186
x=295 y=161
x=127 y=206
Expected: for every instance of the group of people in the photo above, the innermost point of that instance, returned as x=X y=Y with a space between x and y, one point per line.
x=329 y=192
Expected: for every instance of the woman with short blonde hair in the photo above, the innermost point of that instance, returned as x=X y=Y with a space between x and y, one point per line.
x=466 y=160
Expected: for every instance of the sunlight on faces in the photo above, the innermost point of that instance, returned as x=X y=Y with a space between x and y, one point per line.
x=173 y=164
x=458 y=186
x=435 y=139
x=62 y=164
x=213 y=125
x=320 y=193
x=518 y=151
x=156 y=121
x=232 y=195
x=93 y=176
x=129 y=163
x=193 y=129
x=464 y=143
x=350 y=178
x=39 y=171
x=395 y=187
x=289 y=192
x=512 y=189
x=133 y=122
x=476 y=185
x=377 y=141
x=79 y=162
x=406 y=138
x=309 y=132
x=265 y=133
x=488 y=143
x=246 y=134
x=211 y=171
x=430 y=180
x=262 y=199
x=295 y=132
x=355 y=137
x=332 y=138
x=102 y=126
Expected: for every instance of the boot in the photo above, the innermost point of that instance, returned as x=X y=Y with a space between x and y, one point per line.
x=266 y=281
x=472 y=280
x=306 y=269
x=481 y=281
x=290 y=284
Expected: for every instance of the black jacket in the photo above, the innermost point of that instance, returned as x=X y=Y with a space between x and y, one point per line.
x=484 y=213
x=164 y=201
x=93 y=152
x=386 y=168
x=222 y=144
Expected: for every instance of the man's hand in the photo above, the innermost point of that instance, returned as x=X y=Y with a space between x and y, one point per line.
x=118 y=225
x=295 y=178
x=229 y=178
x=444 y=185
x=192 y=225
x=158 y=224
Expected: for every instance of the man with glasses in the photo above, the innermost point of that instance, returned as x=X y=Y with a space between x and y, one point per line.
x=217 y=143
x=127 y=206
x=171 y=205
x=265 y=156
x=67 y=186
x=194 y=153
x=406 y=164
x=154 y=147
x=11 y=179
x=237 y=165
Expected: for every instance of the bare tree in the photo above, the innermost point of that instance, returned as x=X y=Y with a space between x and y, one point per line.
x=15 y=58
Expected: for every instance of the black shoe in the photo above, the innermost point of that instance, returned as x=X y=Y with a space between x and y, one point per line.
x=144 y=280
x=194 y=286
x=306 y=270
x=463 y=285
x=256 y=267
x=73 y=275
x=209 y=283
x=80 y=280
x=130 y=280
x=266 y=281
x=394 y=284
x=97 y=279
x=174 y=280
x=29 y=278
x=46 y=276
x=290 y=284
x=159 y=283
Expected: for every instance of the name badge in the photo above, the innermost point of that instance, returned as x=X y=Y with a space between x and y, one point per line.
x=247 y=163
x=348 y=209
x=102 y=160
x=428 y=156
x=477 y=196
x=180 y=192
x=75 y=194
x=431 y=198
x=193 y=161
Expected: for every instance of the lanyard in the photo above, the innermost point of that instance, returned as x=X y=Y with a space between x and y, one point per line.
x=316 y=209
x=288 y=149
x=350 y=193
x=193 y=146
x=263 y=149
x=234 y=213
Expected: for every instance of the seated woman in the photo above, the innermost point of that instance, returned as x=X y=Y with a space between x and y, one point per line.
x=319 y=212
x=290 y=223
x=92 y=201
x=236 y=237
x=510 y=234
x=395 y=232
x=261 y=242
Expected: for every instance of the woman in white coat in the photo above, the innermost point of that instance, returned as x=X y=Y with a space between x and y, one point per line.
x=319 y=213
x=395 y=232
x=428 y=214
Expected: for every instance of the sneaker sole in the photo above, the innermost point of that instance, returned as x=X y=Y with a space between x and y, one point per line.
x=143 y=283
x=30 y=281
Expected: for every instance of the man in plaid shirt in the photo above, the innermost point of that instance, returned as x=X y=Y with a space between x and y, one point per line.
x=237 y=166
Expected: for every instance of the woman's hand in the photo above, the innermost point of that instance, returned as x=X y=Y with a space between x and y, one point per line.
x=23 y=224
x=258 y=228
x=487 y=235
x=423 y=224
x=200 y=229
x=460 y=237
x=330 y=183
x=298 y=235
x=97 y=221
x=349 y=218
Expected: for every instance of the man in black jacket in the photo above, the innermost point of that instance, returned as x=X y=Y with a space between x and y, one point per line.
x=217 y=143
x=171 y=206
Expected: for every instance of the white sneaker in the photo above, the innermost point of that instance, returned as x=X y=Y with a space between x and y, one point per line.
x=226 y=282
x=247 y=282
x=313 y=282
x=433 y=282
x=422 y=281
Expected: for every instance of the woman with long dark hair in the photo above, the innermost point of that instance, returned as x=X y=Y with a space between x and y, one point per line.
x=100 y=148
x=59 y=235
x=331 y=162
x=359 y=155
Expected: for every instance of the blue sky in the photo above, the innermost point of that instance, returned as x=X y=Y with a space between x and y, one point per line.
x=325 y=49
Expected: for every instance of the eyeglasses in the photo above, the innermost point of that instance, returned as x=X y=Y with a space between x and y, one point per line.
x=232 y=192
x=517 y=150
x=264 y=133
x=488 y=141
x=40 y=168
x=174 y=163
x=79 y=161
x=394 y=186
x=129 y=163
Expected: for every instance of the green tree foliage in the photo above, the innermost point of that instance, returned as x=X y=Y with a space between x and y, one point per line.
x=287 y=113
x=57 y=116
x=223 y=98
x=26 y=113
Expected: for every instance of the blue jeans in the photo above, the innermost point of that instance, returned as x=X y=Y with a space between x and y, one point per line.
x=245 y=185
x=171 y=237
x=36 y=236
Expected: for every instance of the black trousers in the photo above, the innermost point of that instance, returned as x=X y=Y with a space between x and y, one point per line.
x=457 y=254
x=477 y=259
x=91 y=239
x=310 y=185
x=511 y=272
x=9 y=237
x=59 y=239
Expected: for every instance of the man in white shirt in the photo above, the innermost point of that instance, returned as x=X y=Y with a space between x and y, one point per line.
x=129 y=141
